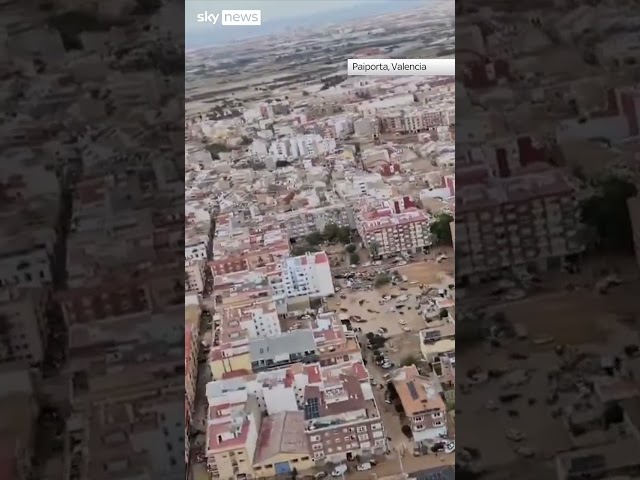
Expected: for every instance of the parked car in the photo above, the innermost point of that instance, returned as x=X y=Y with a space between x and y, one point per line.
x=438 y=447
x=365 y=466
x=514 y=435
x=450 y=447
x=339 y=471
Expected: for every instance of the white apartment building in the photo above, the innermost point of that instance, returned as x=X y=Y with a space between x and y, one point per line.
x=196 y=250
x=307 y=275
x=194 y=275
x=23 y=318
x=299 y=146
x=261 y=320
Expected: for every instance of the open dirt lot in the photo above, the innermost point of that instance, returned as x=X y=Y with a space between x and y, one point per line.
x=544 y=434
x=380 y=315
x=574 y=318
x=428 y=272
x=577 y=317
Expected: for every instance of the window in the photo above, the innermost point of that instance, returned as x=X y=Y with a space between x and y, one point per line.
x=363 y=437
x=437 y=415
x=361 y=429
x=438 y=424
x=347 y=439
x=418 y=419
x=376 y=426
x=315 y=438
x=330 y=450
x=318 y=455
x=317 y=446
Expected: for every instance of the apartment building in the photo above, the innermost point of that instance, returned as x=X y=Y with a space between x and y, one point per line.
x=245 y=248
x=309 y=145
x=303 y=222
x=634 y=213
x=140 y=429
x=194 y=279
x=413 y=120
x=196 y=250
x=191 y=350
x=24 y=325
x=24 y=263
x=386 y=232
x=283 y=446
x=368 y=127
x=280 y=350
x=438 y=347
x=529 y=220
x=233 y=423
x=423 y=406
x=308 y=275
x=343 y=421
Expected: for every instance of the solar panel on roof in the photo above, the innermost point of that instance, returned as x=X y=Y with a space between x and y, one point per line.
x=311 y=409
x=412 y=390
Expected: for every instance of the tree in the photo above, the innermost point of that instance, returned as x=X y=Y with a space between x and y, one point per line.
x=314 y=238
x=391 y=390
x=441 y=229
x=374 y=248
x=351 y=248
x=406 y=430
x=354 y=259
x=607 y=214
x=377 y=341
x=370 y=336
x=215 y=149
x=331 y=232
x=444 y=313
x=381 y=280
x=301 y=250
x=409 y=360
x=343 y=235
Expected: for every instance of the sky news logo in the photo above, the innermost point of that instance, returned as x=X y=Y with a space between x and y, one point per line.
x=232 y=17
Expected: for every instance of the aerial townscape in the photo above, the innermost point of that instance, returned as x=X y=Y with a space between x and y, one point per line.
x=547 y=213
x=319 y=273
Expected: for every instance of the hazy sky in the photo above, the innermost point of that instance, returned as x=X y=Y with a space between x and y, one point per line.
x=271 y=9
x=274 y=14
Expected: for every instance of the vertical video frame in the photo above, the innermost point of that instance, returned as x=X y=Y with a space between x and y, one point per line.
x=319 y=262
